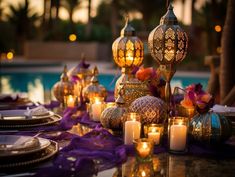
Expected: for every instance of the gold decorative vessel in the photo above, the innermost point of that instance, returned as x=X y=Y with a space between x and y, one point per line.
x=111 y=117
x=152 y=109
x=94 y=89
x=133 y=90
x=210 y=128
x=63 y=88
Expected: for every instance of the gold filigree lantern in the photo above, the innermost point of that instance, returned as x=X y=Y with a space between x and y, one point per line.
x=84 y=74
x=94 y=89
x=128 y=51
x=168 y=45
x=64 y=88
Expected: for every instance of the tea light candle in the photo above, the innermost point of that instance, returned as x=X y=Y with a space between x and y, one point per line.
x=132 y=129
x=178 y=136
x=154 y=136
x=96 y=109
x=144 y=149
x=70 y=101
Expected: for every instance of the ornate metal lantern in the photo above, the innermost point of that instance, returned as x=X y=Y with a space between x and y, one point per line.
x=83 y=72
x=63 y=88
x=128 y=51
x=94 y=89
x=168 y=45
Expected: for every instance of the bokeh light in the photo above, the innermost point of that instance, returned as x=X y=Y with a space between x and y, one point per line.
x=218 y=50
x=72 y=37
x=10 y=55
x=218 y=28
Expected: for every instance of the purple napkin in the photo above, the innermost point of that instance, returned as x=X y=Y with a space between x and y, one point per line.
x=96 y=151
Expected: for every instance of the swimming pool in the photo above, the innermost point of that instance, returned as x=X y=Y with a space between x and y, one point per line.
x=20 y=82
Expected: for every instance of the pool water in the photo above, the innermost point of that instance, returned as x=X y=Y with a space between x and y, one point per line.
x=31 y=82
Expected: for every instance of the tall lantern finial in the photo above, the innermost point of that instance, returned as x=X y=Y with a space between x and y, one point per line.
x=128 y=51
x=168 y=45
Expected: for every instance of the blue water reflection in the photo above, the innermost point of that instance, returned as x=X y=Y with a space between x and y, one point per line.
x=20 y=81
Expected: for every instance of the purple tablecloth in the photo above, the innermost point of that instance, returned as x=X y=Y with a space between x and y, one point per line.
x=99 y=149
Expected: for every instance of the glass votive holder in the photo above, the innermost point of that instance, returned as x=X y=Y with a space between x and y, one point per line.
x=154 y=132
x=177 y=134
x=144 y=149
x=95 y=108
x=132 y=127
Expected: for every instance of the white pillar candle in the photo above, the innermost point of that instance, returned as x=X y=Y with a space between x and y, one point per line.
x=70 y=101
x=154 y=136
x=96 y=109
x=178 y=135
x=132 y=131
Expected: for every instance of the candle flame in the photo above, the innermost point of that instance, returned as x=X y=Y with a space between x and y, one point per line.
x=153 y=130
x=70 y=98
x=97 y=100
x=129 y=56
x=133 y=116
x=180 y=122
x=143 y=173
x=145 y=146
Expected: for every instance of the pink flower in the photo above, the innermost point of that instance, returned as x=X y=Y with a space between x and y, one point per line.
x=197 y=97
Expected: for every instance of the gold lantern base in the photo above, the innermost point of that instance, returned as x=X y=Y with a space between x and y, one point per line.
x=168 y=72
x=126 y=76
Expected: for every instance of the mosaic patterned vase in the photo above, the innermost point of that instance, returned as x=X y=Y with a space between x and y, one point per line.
x=111 y=117
x=211 y=128
x=152 y=109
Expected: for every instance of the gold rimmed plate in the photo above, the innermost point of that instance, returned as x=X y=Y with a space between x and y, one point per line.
x=29 y=123
x=30 y=159
x=13 y=145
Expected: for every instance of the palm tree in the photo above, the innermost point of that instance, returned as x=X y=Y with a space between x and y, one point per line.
x=71 y=5
x=89 y=22
x=227 y=71
x=23 y=19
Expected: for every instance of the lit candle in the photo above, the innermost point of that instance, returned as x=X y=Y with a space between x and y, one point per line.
x=132 y=129
x=70 y=101
x=154 y=136
x=178 y=137
x=144 y=150
x=96 y=109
